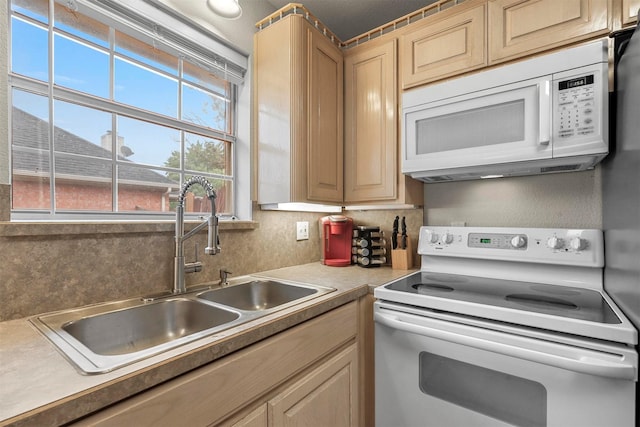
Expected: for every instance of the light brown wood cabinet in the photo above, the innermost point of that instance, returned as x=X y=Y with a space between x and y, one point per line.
x=372 y=144
x=519 y=28
x=257 y=418
x=630 y=11
x=442 y=45
x=327 y=396
x=298 y=101
x=370 y=120
x=297 y=373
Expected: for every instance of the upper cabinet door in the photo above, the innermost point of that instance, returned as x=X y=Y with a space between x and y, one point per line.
x=522 y=27
x=325 y=139
x=630 y=11
x=440 y=47
x=370 y=124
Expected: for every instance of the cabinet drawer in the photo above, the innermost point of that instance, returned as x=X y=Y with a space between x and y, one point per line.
x=522 y=27
x=443 y=47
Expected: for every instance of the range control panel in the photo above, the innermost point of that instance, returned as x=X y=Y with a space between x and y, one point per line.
x=542 y=245
x=497 y=241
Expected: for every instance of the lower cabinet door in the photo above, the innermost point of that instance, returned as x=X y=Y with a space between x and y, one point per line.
x=327 y=396
x=256 y=418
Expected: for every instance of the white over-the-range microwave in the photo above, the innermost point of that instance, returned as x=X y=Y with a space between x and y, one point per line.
x=542 y=115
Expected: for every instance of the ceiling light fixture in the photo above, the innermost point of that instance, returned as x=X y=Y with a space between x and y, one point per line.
x=229 y=9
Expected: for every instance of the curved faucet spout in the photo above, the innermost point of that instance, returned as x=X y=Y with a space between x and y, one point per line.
x=180 y=268
x=196 y=179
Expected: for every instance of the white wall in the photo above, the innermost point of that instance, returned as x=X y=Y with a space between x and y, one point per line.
x=239 y=32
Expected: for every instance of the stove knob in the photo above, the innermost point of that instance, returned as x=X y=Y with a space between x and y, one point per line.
x=578 y=244
x=518 y=241
x=431 y=237
x=555 y=243
x=446 y=238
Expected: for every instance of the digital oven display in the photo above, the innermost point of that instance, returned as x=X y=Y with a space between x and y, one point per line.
x=485 y=240
x=580 y=81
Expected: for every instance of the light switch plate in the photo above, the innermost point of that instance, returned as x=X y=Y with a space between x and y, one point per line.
x=302 y=230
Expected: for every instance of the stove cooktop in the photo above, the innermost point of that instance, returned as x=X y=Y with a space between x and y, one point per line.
x=562 y=301
x=578 y=311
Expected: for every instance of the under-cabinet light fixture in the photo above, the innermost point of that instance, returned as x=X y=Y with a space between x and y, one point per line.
x=229 y=9
x=300 y=207
x=491 y=176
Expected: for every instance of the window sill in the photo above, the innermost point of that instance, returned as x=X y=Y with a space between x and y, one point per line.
x=26 y=229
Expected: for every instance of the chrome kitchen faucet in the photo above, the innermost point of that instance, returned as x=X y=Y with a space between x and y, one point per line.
x=180 y=267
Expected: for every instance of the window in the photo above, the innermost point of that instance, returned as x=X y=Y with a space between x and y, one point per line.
x=111 y=113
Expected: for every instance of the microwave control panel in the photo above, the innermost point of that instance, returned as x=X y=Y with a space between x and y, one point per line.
x=576 y=109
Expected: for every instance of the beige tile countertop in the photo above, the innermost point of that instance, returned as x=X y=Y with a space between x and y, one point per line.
x=40 y=387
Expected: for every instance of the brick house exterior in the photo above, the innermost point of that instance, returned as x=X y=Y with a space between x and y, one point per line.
x=81 y=183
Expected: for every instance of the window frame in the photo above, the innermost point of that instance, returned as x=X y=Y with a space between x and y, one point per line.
x=177 y=46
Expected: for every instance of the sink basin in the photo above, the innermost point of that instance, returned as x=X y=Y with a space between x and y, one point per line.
x=103 y=337
x=258 y=295
x=139 y=328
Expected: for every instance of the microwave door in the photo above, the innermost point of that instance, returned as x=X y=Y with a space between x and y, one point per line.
x=506 y=124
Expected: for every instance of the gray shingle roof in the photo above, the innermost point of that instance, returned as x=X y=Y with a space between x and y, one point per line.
x=31 y=132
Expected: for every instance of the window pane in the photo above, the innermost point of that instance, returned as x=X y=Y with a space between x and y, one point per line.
x=81 y=130
x=83 y=183
x=224 y=199
x=146 y=89
x=208 y=155
x=30 y=152
x=32 y=119
x=203 y=77
x=72 y=152
x=35 y=9
x=80 y=25
x=148 y=143
x=145 y=190
x=29 y=50
x=81 y=67
x=204 y=108
x=146 y=53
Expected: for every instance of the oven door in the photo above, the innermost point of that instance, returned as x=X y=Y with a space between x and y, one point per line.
x=433 y=372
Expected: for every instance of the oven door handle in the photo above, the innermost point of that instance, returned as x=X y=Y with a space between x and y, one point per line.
x=565 y=357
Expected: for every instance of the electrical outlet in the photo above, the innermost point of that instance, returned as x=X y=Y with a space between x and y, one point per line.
x=302 y=230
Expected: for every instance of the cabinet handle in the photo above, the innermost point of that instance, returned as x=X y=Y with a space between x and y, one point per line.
x=557 y=355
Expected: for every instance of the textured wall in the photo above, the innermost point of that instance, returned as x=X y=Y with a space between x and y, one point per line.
x=61 y=270
x=556 y=200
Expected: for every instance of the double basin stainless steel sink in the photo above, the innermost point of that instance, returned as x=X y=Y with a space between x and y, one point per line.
x=103 y=337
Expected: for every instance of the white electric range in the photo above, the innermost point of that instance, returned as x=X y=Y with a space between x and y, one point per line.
x=504 y=326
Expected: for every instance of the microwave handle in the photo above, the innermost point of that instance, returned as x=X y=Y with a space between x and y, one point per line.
x=544 y=105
